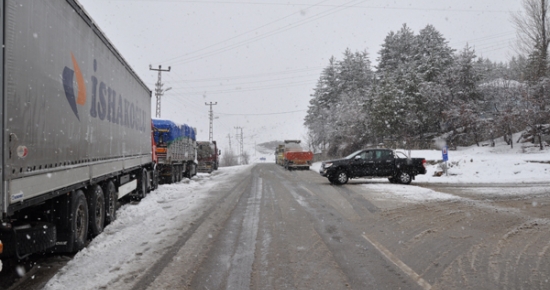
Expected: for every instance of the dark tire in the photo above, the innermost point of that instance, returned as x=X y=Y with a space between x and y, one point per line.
x=79 y=221
x=33 y=238
x=109 y=191
x=191 y=170
x=155 y=181
x=173 y=177
x=404 y=177
x=141 y=191
x=342 y=177
x=96 y=210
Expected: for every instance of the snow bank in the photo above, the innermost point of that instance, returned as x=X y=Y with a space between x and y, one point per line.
x=142 y=230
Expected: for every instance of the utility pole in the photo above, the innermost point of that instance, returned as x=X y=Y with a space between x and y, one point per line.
x=229 y=137
x=158 y=87
x=240 y=136
x=211 y=136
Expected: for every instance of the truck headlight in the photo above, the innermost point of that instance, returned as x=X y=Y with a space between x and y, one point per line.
x=327 y=165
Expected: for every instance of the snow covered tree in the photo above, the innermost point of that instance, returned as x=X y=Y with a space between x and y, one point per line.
x=464 y=113
x=533 y=32
x=503 y=103
x=337 y=116
x=409 y=69
x=433 y=54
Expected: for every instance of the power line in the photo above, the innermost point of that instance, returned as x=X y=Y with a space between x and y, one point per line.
x=321 y=5
x=270 y=82
x=275 y=86
x=270 y=33
x=246 y=32
x=262 y=114
x=252 y=76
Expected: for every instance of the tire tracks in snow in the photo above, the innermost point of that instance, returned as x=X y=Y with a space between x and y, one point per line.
x=219 y=207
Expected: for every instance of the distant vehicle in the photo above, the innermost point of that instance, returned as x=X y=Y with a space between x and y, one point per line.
x=294 y=156
x=76 y=129
x=176 y=150
x=208 y=156
x=279 y=154
x=395 y=166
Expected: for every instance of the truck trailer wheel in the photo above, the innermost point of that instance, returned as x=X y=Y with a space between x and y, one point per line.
x=109 y=191
x=78 y=221
x=180 y=173
x=96 y=210
x=173 y=178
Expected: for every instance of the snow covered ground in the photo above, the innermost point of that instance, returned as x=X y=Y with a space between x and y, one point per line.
x=142 y=230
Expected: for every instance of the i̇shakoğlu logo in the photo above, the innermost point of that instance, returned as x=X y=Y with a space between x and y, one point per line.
x=68 y=80
x=105 y=103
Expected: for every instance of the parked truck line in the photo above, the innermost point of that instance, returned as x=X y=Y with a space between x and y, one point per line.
x=77 y=132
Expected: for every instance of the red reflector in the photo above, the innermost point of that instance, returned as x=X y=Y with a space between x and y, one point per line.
x=1 y=247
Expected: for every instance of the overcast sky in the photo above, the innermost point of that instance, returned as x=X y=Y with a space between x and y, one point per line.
x=260 y=60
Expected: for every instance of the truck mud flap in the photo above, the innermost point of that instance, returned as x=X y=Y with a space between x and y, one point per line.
x=28 y=239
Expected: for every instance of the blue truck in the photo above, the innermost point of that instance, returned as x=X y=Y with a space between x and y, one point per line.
x=176 y=150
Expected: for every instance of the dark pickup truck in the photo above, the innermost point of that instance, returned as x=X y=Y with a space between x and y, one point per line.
x=380 y=163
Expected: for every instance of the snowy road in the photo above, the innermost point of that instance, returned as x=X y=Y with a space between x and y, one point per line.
x=261 y=227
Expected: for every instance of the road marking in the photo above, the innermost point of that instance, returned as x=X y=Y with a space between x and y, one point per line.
x=406 y=269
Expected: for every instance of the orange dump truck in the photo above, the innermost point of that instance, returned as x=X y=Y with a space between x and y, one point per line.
x=294 y=157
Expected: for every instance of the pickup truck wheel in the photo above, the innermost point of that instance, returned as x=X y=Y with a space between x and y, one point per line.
x=404 y=178
x=342 y=177
x=96 y=210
